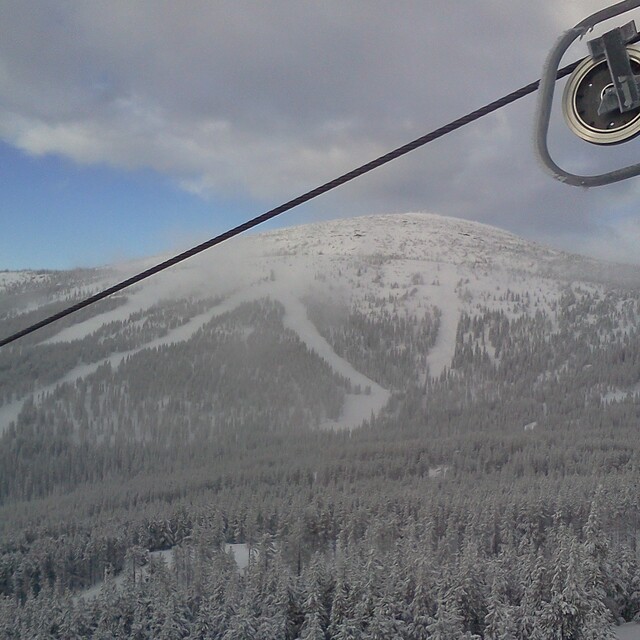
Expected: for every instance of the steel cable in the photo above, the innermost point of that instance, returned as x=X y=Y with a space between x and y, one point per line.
x=287 y=206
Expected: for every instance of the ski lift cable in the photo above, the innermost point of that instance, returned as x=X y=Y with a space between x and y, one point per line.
x=291 y=204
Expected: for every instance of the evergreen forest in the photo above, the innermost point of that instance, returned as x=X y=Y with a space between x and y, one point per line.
x=498 y=499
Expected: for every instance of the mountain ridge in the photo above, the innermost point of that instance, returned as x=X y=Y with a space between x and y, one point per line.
x=448 y=232
x=426 y=268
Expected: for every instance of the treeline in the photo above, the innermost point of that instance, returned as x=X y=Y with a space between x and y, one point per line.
x=441 y=517
x=240 y=376
x=400 y=570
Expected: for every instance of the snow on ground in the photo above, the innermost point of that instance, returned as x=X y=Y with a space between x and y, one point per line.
x=197 y=279
x=11 y=278
x=8 y=278
x=357 y=408
x=629 y=631
x=413 y=236
x=94 y=590
x=620 y=394
x=239 y=552
x=137 y=301
x=9 y=413
x=463 y=266
x=444 y=297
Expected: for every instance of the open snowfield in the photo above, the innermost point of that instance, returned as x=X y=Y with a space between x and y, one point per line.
x=12 y=278
x=629 y=631
x=444 y=298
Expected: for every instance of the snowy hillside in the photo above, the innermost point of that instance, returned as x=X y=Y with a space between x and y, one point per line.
x=424 y=427
x=423 y=270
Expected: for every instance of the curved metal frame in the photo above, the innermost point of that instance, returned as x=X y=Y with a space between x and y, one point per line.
x=545 y=101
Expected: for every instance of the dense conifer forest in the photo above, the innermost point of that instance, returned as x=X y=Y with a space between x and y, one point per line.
x=498 y=499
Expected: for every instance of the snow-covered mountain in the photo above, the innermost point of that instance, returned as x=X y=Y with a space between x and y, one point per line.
x=375 y=303
x=421 y=422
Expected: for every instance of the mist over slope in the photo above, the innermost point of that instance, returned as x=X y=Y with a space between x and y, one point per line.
x=425 y=392
x=375 y=302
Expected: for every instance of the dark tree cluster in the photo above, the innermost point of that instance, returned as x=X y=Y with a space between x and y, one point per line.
x=388 y=347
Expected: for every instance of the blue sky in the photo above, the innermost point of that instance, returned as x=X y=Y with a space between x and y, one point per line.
x=130 y=129
x=57 y=214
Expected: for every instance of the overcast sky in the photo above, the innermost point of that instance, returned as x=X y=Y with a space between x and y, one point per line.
x=133 y=128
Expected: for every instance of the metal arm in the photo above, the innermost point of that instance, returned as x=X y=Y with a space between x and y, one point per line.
x=545 y=101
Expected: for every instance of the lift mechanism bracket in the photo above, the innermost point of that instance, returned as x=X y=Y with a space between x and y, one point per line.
x=624 y=94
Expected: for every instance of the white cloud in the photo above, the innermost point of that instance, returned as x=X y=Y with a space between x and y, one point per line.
x=243 y=98
x=617 y=241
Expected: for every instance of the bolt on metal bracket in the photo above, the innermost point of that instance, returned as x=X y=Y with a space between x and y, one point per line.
x=622 y=86
x=624 y=94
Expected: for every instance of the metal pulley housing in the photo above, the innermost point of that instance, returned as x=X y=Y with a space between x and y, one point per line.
x=602 y=97
x=583 y=93
x=601 y=101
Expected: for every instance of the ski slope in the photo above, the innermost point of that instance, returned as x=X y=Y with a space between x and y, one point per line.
x=410 y=263
x=357 y=407
x=629 y=631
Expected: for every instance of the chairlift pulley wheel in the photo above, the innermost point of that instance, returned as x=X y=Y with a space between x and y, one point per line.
x=582 y=96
